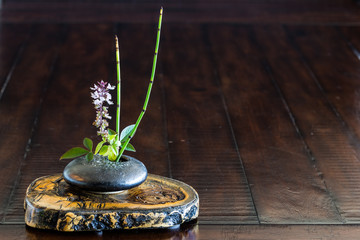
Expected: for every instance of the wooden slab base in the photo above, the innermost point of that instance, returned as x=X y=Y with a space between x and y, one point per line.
x=159 y=202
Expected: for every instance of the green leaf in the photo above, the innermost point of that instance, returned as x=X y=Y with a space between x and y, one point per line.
x=112 y=138
x=74 y=152
x=111 y=132
x=130 y=148
x=104 y=149
x=88 y=143
x=98 y=146
x=89 y=156
x=114 y=150
x=112 y=156
x=125 y=133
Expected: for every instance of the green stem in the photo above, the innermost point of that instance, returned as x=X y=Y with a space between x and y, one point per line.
x=118 y=88
x=148 y=91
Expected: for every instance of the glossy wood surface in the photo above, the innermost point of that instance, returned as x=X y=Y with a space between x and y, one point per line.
x=255 y=104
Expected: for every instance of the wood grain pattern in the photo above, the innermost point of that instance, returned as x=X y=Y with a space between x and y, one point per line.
x=262 y=118
x=60 y=125
x=268 y=142
x=289 y=64
x=19 y=117
x=80 y=64
x=351 y=35
x=13 y=38
x=333 y=143
x=202 y=151
x=159 y=202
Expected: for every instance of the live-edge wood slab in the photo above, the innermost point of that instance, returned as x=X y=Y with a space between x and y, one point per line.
x=159 y=202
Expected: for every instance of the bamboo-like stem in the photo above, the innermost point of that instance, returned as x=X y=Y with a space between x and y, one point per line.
x=149 y=88
x=118 y=88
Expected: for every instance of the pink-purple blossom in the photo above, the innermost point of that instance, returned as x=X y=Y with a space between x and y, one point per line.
x=101 y=96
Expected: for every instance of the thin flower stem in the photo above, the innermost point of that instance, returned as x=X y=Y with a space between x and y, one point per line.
x=118 y=87
x=149 y=88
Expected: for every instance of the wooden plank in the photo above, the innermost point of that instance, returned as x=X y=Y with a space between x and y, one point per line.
x=20 y=105
x=351 y=35
x=324 y=232
x=308 y=105
x=283 y=181
x=333 y=142
x=194 y=231
x=68 y=113
x=341 y=79
x=13 y=38
x=202 y=151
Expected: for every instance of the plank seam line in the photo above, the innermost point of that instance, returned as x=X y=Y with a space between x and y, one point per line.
x=29 y=143
x=350 y=133
x=316 y=80
x=208 y=47
x=314 y=77
x=33 y=129
x=15 y=63
x=348 y=130
x=306 y=146
x=292 y=117
x=354 y=50
x=287 y=108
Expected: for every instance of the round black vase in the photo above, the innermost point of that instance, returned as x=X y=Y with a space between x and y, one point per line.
x=102 y=175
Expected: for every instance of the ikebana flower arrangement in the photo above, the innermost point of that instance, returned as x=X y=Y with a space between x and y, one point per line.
x=102 y=189
x=110 y=149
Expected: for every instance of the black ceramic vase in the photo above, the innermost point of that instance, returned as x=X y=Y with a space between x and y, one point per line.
x=102 y=175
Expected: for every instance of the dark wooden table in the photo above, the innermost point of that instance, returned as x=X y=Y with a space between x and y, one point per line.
x=255 y=104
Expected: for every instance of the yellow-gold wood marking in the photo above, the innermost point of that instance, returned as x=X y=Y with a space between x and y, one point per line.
x=159 y=202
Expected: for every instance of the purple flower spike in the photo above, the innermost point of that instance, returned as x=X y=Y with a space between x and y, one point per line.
x=100 y=96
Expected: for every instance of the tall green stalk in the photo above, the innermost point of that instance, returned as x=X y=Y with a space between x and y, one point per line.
x=148 y=91
x=118 y=87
